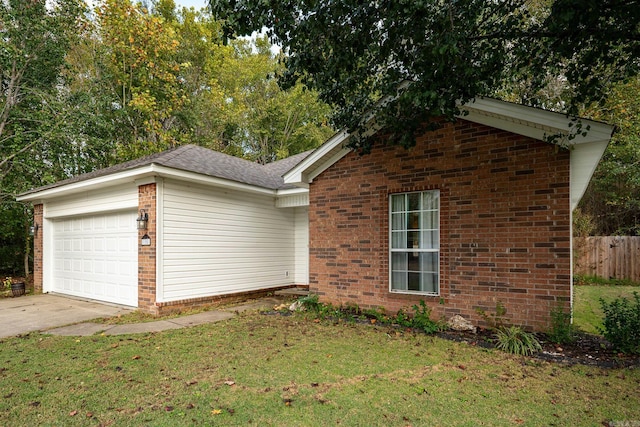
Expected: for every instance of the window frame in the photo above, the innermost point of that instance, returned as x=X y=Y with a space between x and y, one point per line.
x=437 y=249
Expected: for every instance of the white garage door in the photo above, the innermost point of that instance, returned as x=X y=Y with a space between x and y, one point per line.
x=96 y=256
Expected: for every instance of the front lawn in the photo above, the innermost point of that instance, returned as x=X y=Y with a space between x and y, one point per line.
x=269 y=370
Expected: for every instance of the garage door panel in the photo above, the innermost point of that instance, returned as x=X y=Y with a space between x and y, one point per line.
x=96 y=257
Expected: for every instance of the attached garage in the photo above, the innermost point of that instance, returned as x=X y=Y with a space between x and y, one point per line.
x=218 y=227
x=96 y=257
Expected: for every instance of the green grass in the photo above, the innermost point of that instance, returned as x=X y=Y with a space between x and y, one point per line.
x=587 y=313
x=288 y=371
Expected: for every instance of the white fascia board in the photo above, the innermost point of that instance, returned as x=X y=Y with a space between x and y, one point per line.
x=141 y=175
x=318 y=161
x=292 y=191
x=89 y=184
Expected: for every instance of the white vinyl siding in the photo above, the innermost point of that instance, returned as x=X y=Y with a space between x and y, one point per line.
x=302 y=246
x=415 y=242
x=96 y=256
x=217 y=241
x=105 y=200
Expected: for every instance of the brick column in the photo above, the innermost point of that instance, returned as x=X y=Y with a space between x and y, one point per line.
x=147 y=254
x=37 y=249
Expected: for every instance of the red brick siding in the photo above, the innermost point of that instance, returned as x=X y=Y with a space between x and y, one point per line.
x=147 y=254
x=505 y=223
x=37 y=249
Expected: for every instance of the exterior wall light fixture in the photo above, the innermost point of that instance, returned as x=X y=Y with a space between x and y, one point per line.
x=142 y=220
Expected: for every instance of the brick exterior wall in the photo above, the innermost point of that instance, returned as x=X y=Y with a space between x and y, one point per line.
x=147 y=254
x=37 y=249
x=505 y=224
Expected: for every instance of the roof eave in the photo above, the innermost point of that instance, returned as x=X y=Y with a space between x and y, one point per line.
x=137 y=175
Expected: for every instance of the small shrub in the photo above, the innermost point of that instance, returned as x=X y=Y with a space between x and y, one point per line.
x=497 y=320
x=621 y=324
x=516 y=340
x=376 y=313
x=562 y=331
x=311 y=302
x=422 y=319
x=402 y=319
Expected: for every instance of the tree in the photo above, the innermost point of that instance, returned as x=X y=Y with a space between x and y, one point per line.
x=265 y=122
x=358 y=54
x=612 y=200
x=34 y=126
x=142 y=74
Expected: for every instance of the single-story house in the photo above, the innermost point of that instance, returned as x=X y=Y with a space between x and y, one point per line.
x=217 y=226
x=478 y=212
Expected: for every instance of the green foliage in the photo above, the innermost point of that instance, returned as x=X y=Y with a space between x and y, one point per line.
x=13 y=237
x=583 y=280
x=35 y=126
x=422 y=319
x=621 y=324
x=402 y=318
x=562 y=331
x=512 y=339
x=611 y=203
x=357 y=54
x=515 y=340
x=311 y=302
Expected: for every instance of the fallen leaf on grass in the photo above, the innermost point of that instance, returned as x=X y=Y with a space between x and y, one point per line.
x=73 y=413
x=216 y=412
x=168 y=408
x=287 y=402
x=230 y=383
x=136 y=357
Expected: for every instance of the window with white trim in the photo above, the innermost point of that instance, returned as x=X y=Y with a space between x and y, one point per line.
x=415 y=242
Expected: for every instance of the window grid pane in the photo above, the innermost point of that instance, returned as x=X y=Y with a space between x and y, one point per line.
x=415 y=242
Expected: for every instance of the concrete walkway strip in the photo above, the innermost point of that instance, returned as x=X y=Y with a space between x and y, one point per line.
x=57 y=315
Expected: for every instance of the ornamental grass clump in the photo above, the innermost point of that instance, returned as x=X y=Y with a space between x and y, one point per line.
x=511 y=339
x=515 y=340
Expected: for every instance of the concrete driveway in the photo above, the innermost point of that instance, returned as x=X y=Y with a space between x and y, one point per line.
x=42 y=312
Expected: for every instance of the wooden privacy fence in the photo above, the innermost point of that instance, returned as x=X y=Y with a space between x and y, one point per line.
x=610 y=257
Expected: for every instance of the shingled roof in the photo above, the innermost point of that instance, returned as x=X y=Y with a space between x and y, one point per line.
x=192 y=158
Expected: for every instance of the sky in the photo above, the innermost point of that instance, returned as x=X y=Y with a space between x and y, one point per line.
x=198 y=4
x=195 y=3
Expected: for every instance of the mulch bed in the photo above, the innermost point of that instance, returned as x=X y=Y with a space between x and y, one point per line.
x=587 y=349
